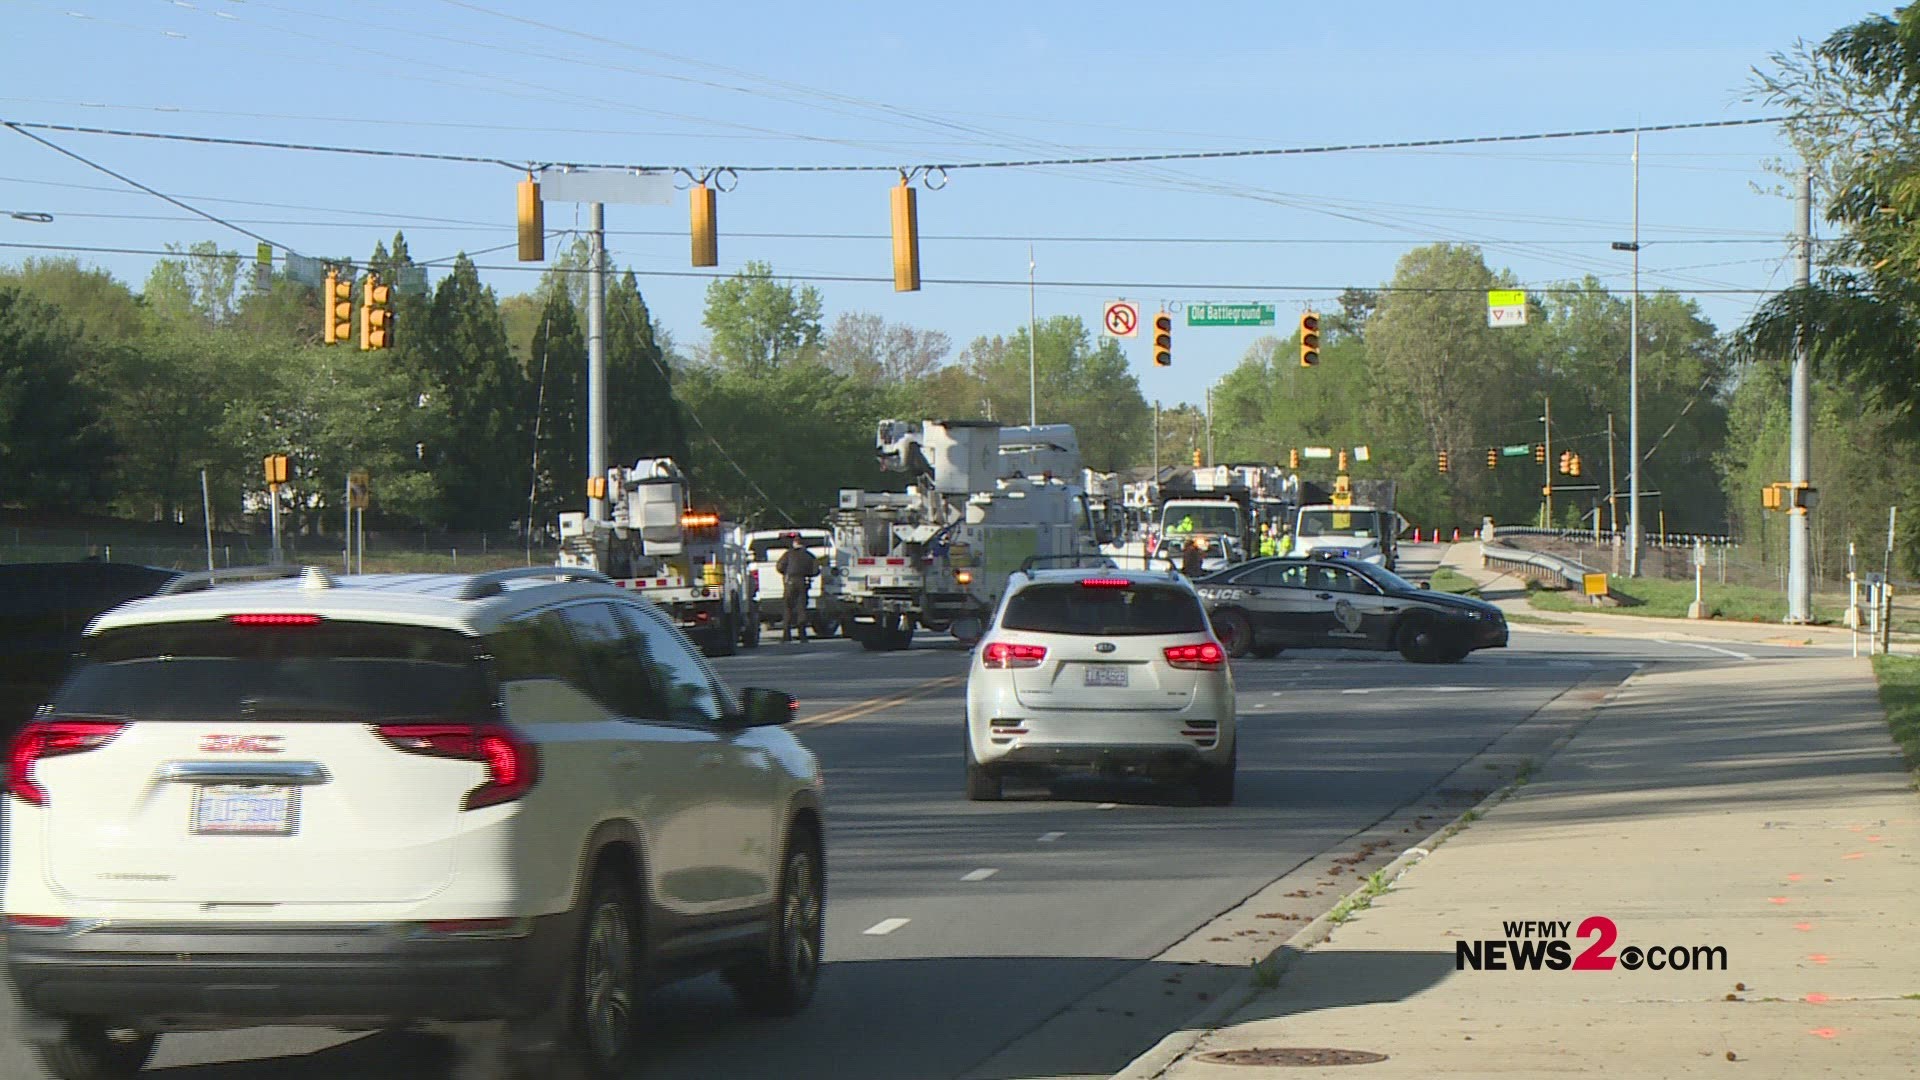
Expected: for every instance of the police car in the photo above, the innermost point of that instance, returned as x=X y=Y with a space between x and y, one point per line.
x=1332 y=602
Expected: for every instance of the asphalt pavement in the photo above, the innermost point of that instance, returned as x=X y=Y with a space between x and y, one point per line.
x=962 y=937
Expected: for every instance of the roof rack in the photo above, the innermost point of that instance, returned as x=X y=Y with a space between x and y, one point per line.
x=493 y=582
x=1067 y=562
x=202 y=580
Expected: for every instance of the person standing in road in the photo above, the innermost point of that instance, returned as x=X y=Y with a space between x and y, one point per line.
x=1193 y=559
x=797 y=568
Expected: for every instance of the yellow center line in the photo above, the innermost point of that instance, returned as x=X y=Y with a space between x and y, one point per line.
x=865 y=708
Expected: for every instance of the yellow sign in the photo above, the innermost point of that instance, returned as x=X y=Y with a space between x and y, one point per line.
x=357 y=490
x=1595 y=584
x=1506 y=298
x=1342 y=522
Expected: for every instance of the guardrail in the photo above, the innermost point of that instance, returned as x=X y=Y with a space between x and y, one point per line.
x=1588 y=536
x=1536 y=565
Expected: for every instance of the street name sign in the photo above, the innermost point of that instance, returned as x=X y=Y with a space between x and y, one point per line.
x=1229 y=314
x=1521 y=450
x=1317 y=452
x=1506 y=307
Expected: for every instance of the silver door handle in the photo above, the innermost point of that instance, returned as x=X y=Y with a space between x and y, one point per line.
x=1323 y=596
x=244 y=772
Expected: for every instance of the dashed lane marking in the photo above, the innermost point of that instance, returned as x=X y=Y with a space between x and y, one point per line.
x=866 y=708
x=1106 y=806
x=1050 y=837
x=981 y=874
x=885 y=926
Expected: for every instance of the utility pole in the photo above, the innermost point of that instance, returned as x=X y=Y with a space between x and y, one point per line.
x=1799 y=581
x=1633 y=383
x=596 y=355
x=1613 y=486
x=1209 y=427
x=1033 y=367
x=1156 y=440
x=1546 y=425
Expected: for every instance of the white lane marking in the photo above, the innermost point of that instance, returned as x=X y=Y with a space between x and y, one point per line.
x=886 y=926
x=1715 y=648
x=981 y=874
x=1360 y=690
x=1106 y=806
x=1050 y=837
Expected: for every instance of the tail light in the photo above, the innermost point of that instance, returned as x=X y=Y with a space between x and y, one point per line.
x=1203 y=657
x=1105 y=583
x=274 y=618
x=1002 y=654
x=513 y=765
x=51 y=738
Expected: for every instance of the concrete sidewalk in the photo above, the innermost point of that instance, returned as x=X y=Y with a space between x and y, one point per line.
x=1756 y=806
x=1508 y=592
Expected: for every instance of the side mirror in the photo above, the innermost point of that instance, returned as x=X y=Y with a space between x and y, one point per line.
x=767 y=708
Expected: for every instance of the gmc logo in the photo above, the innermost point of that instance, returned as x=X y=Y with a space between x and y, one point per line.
x=240 y=744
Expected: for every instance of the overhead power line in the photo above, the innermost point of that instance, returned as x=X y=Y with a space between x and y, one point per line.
x=948 y=166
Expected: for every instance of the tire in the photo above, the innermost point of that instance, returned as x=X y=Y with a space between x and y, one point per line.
x=1417 y=641
x=1266 y=652
x=603 y=1000
x=1234 y=630
x=983 y=784
x=1214 y=783
x=721 y=640
x=87 y=1050
x=824 y=627
x=968 y=629
x=782 y=982
x=870 y=635
x=750 y=636
x=1453 y=653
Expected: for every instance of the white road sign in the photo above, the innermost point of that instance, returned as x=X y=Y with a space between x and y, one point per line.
x=1506 y=307
x=1121 y=319
x=1317 y=452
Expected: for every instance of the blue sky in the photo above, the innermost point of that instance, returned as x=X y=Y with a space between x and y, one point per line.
x=783 y=84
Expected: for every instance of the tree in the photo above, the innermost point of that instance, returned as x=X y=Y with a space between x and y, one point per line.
x=54 y=452
x=204 y=286
x=759 y=323
x=643 y=419
x=558 y=410
x=167 y=397
x=1078 y=383
x=101 y=309
x=868 y=347
x=486 y=398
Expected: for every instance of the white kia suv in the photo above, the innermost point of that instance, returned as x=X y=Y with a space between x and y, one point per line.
x=1114 y=671
x=383 y=800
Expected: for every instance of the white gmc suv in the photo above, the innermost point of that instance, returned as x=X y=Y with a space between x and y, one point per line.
x=384 y=800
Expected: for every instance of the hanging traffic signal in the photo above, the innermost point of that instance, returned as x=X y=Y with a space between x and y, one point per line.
x=1539 y=453
x=336 y=316
x=1343 y=461
x=1163 y=340
x=276 y=470
x=1573 y=466
x=706 y=238
x=1493 y=457
x=1442 y=461
x=906 y=238
x=1309 y=338
x=375 y=317
x=1293 y=459
x=1197 y=458
x=1770 y=498
x=1566 y=461
x=532 y=222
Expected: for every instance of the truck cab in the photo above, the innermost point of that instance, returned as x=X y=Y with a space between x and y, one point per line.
x=1365 y=533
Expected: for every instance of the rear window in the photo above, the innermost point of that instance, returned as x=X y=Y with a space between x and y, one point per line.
x=771 y=550
x=327 y=671
x=1079 y=609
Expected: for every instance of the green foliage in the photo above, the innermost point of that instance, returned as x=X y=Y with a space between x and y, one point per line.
x=559 y=368
x=642 y=416
x=1452 y=581
x=482 y=459
x=1899 y=678
x=53 y=447
x=759 y=323
x=1077 y=382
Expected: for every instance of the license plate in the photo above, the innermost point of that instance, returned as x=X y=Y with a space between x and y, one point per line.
x=1107 y=675
x=245 y=810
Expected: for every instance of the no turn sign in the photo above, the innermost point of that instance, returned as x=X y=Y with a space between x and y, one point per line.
x=1121 y=318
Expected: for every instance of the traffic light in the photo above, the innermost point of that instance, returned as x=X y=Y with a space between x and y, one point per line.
x=906 y=239
x=1293 y=460
x=336 y=316
x=1197 y=457
x=1343 y=461
x=375 y=317
x=1309 y=338
x=532 y=222
x=1539 y=453
x=1573 y=466
x=1566 y=461
x=596 y=487
x=706 y=238
x=1493 y=458
x=1770 y=497
x=1443 y=461
x=1163 y=340
x=276 y=470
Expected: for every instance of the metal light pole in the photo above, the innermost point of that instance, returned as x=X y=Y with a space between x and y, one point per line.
x=1799 y=580
x=1033 y=367
x=1546 y=489
x=1633 y=383
x=596 y=354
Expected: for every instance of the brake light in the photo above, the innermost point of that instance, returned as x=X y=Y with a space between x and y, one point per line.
x=513 y=764
x=37 y=922
x=1104 y=583
x=51 y=738
x=1002 y=654
x=1203 y=657
x=267 y=618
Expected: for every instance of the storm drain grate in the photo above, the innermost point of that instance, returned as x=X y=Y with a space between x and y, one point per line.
x=1294 y=1056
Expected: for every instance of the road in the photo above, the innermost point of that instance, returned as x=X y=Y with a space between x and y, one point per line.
x=956 y=931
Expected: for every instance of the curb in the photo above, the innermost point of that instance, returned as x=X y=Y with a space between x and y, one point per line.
x=1168 y=1051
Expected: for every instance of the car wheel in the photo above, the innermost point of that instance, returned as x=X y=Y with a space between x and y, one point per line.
x=606 y=984
x=1417 y=641
x=983 y=784
x=87 y=1050
x=722 y=640
x=1234 y=630
x=870 y=635
x=750 y=637
x=1214 y=783
x=782 y=982
x=1266 y=652
x=1453 y=654
x=824 y=627
x=967 y=629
